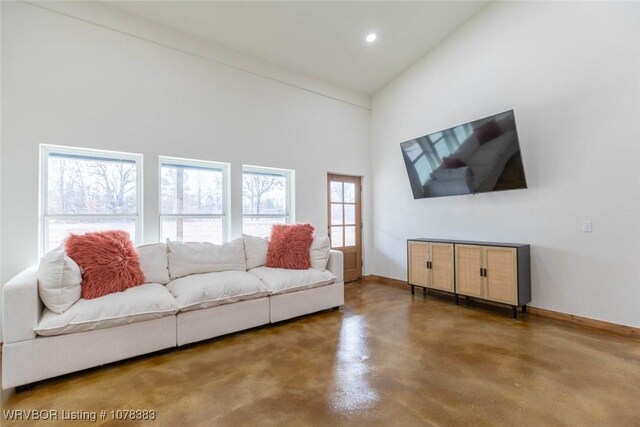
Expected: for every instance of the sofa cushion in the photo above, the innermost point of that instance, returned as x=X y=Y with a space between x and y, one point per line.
x=59 y=281
x=202 y=257
x=144 y=302
x=212 y=289
x=255 y=249
x=320 y=249
x=108 y=260
x=154 y=263
x=281 y=280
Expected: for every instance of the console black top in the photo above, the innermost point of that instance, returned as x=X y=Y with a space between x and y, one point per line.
x=470 y=242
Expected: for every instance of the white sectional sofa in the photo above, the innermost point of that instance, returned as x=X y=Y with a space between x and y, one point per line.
x=41 y=344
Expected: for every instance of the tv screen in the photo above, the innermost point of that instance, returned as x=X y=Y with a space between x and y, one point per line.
x=476 y=157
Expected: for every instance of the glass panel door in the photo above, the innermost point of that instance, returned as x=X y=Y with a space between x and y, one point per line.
x=345 y=225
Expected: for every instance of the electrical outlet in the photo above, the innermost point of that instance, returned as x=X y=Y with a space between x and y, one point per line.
x=587 y=227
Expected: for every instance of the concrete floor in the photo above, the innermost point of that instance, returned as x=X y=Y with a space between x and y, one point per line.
x=386 y=358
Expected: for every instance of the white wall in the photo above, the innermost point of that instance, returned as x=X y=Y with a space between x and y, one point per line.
x=69 y=82
x=127 y=23
x=0 y=166
x=571 y=72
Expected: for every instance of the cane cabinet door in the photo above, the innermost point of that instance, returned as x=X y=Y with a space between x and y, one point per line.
x=418 y=259
x=501 y=277
x=442 y=274
x=469 y=273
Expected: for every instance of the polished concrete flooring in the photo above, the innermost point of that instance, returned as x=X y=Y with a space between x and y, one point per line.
x=384 y=359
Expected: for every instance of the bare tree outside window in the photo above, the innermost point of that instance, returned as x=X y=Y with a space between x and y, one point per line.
x=265 y=200
x=85 y=186
x=262 y=193
x=86 y=192
x=192 y=200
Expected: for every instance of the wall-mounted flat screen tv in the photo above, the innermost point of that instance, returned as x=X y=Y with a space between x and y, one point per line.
x=476 y=157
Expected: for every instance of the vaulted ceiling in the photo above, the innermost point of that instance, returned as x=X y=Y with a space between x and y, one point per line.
x=325 y=40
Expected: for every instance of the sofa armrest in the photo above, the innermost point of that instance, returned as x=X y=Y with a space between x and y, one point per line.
x=21 y=307
x=336 y=264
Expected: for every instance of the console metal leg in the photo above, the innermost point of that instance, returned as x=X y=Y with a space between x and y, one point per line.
x=457 y=301
x=424 y=291
x=524 y=309
x=413 y=290
x=467 y=299
x=514 y=312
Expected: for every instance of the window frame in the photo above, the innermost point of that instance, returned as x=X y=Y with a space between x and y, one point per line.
x=44 y=216
x=289 y=176
x=207 y=164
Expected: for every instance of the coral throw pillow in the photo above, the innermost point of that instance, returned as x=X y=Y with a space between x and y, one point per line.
x=289 y=246
x=108 y=260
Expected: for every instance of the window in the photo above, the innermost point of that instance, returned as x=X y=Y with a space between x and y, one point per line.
x=193 y=197
x=266 y=199
x=89 y=190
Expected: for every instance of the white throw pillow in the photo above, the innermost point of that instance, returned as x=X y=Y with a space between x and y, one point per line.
x=59 y=280
x=154 y=263
x=319 y=250
x=202 y=257
x=255 y=249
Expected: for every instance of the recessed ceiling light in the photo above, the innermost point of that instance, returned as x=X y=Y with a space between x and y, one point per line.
x=371 y=37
